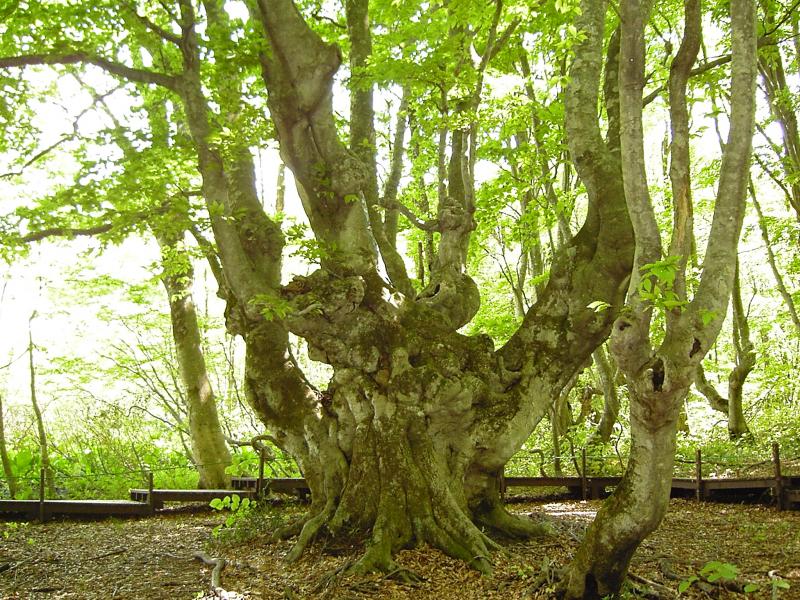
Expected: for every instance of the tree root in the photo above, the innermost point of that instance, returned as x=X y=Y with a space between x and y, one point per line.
x=404 y=575
x=292 y=529
x=650 y=588
x=309 y=530
x=513 y=526
x=369 y=563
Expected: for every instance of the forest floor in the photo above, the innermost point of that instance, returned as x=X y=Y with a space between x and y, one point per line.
x=152 y=558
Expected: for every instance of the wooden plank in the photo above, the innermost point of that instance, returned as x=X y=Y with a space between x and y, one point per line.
x=276 y=484
x=739 y=484
x=792 y=496
x=101 y=508
x=679 y=483
x=542 y=481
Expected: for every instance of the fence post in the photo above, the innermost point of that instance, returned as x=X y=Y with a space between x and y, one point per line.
x=260 y=480
x=698 y=474
x=776 y=461
x=584 y=482
x=151 y=502
x=502 y=483
x=41 y=496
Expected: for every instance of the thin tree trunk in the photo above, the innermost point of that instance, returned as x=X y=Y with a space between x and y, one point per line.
x=43 y=449
x=280 y=189
x=788 y=300
x=705 y=387
x=610 y=396
x=745 y=363
x=6 y=461
x=209 y=450
x=779 y=96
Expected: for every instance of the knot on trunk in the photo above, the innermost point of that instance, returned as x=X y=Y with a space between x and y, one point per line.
x=321 y=295
x=455 y=296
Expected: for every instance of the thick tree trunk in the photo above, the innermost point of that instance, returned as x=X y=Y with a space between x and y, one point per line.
x=409 y=439
x=209 y=450
x=635 y=508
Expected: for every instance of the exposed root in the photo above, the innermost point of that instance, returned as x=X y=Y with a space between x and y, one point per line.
x=310 y=529
x=513 y=526
x=404 y=576
x=290 y=530
x=374 y=561
x=329 y=581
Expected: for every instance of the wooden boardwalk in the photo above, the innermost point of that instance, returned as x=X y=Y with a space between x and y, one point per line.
x=160 y=496
x=784 y=491
x=34 y=509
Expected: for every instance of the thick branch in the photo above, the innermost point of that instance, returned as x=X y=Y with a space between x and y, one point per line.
x=683 y=218
x=720 y=258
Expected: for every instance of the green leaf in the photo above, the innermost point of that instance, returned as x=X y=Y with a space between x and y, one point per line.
x=750 y=588
x=598 y=306
x=686 y=584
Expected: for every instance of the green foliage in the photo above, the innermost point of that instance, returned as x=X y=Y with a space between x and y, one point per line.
x=272 y=306
x=712 y=571
x=308 y=248
x=238 y=508
x=657 y=281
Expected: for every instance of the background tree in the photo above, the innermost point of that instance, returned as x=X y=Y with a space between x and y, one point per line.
x=659 y=375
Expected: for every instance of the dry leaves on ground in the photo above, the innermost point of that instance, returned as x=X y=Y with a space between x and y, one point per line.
x=153 y=558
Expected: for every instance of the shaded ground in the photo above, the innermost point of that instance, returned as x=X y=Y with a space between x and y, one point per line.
x=152 y=558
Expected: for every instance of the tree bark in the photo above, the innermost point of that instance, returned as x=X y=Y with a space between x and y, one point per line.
x=745 y=363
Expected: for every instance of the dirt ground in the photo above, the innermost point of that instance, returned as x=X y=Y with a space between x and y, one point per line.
x=152 y=558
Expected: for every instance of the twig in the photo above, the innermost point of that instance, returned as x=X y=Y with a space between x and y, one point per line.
x=112 y=553
x=662 y=590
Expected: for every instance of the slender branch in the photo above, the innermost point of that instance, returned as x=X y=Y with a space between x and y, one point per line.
x=159 y=31
x=406 y=212
x=114 y=68
x=707 y=66
x=780 y=22
x=67 y=232
x=211 y=256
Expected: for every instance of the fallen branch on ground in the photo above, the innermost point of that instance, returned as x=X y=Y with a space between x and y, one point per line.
x=217 y=563
x=662 y=591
